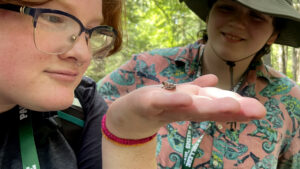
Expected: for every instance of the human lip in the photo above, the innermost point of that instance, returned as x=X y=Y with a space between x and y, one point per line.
x=232 y=37
x=62 y=75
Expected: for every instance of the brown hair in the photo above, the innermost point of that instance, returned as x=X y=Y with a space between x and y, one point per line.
x=112 y=13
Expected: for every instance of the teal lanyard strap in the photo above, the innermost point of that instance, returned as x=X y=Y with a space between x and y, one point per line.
x=27 y=145
x=189 y=150
x=70 y=118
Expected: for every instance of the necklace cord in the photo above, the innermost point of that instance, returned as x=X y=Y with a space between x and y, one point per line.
x=231 y=65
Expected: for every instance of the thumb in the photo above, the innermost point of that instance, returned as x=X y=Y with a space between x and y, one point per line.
x=209 y=80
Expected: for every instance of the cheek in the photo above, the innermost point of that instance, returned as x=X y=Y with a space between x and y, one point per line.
x=16 y=33
x=16 y=70
x=18 y=62
x=260 y=30
x=218 y=22
x=87 y=64
x=215 y=23
x=261 y=34
x=16 y=44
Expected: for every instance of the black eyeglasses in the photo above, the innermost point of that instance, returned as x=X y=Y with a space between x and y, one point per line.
x=55 y=32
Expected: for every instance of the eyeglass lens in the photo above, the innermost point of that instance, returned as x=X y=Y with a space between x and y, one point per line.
x=56 y=34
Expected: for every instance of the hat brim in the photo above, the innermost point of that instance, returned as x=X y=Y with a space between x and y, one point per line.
x=280 y=9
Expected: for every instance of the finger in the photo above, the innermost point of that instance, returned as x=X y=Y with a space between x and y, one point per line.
x=204 y=109
x=209 y=80
x=194 y=86
x=217 y=109
x=252 y=108
x=218 y=93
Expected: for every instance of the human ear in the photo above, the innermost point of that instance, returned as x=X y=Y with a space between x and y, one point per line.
x=272 y=38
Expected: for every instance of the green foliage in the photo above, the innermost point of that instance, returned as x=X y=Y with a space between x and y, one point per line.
x=161 y=24
x=149 y=25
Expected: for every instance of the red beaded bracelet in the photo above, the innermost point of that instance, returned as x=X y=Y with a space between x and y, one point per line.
x=122 y=141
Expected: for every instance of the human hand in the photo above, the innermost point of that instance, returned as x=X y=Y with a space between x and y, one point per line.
x=142 y=112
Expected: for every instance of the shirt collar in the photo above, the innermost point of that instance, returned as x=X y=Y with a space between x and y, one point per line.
x=189 y=58
x=260 y=70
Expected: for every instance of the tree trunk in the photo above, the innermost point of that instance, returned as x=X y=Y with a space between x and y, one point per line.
x=283 y=59
x=295 y=64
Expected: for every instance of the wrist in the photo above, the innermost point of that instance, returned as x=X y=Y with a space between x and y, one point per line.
x=123 y=141
x=124 y=122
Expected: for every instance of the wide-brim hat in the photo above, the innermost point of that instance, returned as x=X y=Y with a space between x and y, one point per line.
x=290 y=32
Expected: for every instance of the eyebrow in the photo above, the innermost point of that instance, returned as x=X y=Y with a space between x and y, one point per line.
x=99 y=20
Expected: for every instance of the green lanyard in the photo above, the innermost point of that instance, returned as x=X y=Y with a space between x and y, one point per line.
x=189 y=150
x=28 y=150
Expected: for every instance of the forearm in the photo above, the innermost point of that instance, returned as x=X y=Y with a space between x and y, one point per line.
x=128 y=157
x=140 y=114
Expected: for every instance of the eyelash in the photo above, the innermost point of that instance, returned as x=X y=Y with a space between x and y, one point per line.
x=229 y=9
x=257 y=16
x=225 y=8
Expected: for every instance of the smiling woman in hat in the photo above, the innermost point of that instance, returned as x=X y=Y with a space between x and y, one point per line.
x=239 y=33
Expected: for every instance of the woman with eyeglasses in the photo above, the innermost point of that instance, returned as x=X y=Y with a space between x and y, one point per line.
x=239 y=33
x=45 y=48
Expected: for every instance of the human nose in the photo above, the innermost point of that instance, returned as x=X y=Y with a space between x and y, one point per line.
x=80 y=52
x=239 y=20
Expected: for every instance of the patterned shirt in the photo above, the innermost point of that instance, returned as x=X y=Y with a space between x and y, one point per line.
x=270 y=143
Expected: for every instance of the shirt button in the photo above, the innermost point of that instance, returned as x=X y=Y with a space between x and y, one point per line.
x=215 y=163
x=220 y=127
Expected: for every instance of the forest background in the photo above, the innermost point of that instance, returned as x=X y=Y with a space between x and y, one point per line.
x=151 y=24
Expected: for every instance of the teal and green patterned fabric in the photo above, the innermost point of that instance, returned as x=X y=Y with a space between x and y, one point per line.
x=270 y=143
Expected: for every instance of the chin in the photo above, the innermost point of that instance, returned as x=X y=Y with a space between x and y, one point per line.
x=50 y=106
x=50 y=103
x=228 y=55
x=58 y=106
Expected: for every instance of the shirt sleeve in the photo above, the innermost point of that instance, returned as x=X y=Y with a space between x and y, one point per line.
x=147 y=68
x=120 y=82
x=90 y=151
x=290 y=157
x=151 y=68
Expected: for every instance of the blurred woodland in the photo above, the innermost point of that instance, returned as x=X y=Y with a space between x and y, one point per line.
x=169 y=23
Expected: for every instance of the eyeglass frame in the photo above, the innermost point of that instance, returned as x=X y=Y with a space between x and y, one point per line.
x=35 y=13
